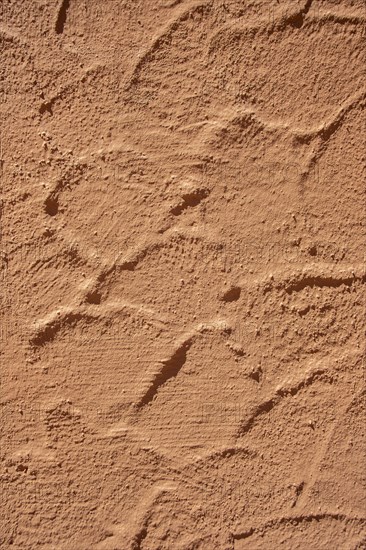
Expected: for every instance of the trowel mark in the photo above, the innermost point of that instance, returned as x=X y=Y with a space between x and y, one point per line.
x=172 y=365
x=131 y=533
x=347 y=520
x=61 y=17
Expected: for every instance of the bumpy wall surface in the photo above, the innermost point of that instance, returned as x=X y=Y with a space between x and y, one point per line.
x=182 y=274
